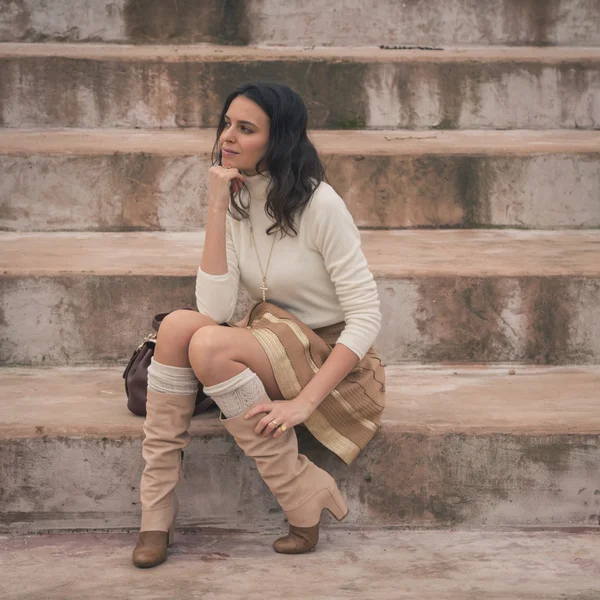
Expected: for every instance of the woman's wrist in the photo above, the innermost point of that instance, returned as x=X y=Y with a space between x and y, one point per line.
x=309 y=401
x=218 y=211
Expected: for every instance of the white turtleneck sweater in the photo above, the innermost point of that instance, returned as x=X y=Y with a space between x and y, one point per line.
x=321 y=276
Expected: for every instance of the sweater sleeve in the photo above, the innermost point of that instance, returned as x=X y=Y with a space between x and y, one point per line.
x=216 y=295
x=338 y=240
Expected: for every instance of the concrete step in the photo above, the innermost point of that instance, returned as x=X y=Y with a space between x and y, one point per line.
x=104 y=85
x=370 y=565
x=463 y=446
x=562 y=22
x=157 y=180
x=474 y=296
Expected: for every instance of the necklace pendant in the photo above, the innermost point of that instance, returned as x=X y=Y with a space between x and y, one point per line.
x=264 y=289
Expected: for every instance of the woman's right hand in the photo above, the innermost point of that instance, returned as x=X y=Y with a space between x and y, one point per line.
x=219 y=179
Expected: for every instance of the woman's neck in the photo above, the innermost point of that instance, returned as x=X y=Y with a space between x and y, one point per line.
x=254 y=173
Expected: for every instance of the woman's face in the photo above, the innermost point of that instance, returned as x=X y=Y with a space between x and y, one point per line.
x=246 y=133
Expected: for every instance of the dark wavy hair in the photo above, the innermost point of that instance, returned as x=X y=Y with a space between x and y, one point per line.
x=290 y=158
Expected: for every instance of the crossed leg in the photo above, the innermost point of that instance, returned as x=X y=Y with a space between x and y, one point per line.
x=216 y=353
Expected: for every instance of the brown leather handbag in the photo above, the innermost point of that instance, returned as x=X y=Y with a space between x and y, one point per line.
x=136 y=374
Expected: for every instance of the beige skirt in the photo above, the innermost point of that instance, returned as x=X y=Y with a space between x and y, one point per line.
x=350 y=415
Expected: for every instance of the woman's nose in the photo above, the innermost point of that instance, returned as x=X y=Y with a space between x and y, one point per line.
x=227 y=136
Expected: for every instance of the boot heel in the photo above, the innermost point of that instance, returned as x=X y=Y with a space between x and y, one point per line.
x=336 y=506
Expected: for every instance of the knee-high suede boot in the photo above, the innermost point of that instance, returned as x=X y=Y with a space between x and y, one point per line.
x=166 y=434
x=302 y=489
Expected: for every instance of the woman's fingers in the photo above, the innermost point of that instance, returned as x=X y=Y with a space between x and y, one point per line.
x=279 y=432
x=264 y=422
x=269 y=429
x=269 y=423
x=258 y=409
x=236 y=185
x=220 y=183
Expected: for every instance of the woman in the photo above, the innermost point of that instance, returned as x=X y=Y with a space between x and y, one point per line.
x=302 y=355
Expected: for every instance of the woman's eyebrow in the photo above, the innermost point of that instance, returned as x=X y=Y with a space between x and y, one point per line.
x=246 y=122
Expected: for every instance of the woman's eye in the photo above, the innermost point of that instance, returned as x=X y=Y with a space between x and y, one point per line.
x=243 y=128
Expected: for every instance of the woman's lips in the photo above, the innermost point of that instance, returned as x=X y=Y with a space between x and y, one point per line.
x=228 y=152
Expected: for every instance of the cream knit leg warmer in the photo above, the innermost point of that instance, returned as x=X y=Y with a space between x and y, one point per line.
x=167 y=379
x=238 y=394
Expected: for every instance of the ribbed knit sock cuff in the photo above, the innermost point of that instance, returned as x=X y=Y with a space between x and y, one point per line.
x=167 y=379
x=238 y=394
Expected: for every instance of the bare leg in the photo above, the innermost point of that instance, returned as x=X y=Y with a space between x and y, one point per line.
x=219 y=353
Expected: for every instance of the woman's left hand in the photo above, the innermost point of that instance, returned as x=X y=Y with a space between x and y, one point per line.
x=284 y=412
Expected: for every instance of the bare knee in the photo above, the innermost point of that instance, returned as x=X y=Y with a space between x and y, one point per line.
x=217 y=354
x=174 y=335
x=205 y=349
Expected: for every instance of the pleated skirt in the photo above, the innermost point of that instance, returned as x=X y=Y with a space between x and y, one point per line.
x=350 y=415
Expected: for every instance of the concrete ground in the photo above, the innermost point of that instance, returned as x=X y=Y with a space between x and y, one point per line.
x=373 y=564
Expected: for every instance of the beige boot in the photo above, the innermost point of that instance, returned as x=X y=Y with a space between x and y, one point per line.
x=302 y=489
x=166 y=434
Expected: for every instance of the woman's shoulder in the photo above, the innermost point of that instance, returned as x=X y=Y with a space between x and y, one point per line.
x=325 y=197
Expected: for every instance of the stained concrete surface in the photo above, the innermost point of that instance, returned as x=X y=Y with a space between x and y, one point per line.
x=158 y=180
x=157 y=87
x=429 y=400
x=188 y=142
x=520 y=22
x=455 y=296
x=215 y=53
x=367 y=565
x=426 y=253
x=464 y=445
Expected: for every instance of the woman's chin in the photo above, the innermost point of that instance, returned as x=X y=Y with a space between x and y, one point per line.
x=230 y=161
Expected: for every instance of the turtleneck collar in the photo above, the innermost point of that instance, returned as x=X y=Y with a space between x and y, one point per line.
x=258 y=185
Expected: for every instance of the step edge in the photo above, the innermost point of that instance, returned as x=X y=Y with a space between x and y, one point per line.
x=383 y=142
x=213 y=429
x=364 y=53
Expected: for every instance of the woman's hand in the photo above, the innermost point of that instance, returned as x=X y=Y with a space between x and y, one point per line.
x=219 y=181
x=285 y=412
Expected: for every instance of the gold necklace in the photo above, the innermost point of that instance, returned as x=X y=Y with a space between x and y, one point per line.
x=263 y=287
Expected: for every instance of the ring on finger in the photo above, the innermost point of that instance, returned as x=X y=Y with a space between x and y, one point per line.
x=276 y=423
x=283 y=428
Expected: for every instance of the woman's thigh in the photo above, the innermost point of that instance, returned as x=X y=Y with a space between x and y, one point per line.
x=217 y=345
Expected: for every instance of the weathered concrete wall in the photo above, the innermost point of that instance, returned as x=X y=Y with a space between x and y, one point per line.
x=66 y=319
x=313 y=22
x=474 y=319
x=412 y=479
x=462 y=445
x=141 y=191
x=122 y=91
